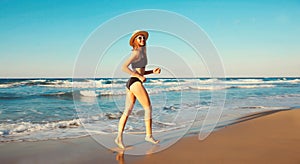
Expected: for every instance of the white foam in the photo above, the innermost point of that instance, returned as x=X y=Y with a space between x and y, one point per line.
x=166 y=123
x=284 y=96
x=245 y=81
x=36 y=81
x=26 y=127
x=260 y=81
x=264 y=108
x=209 y=81
x=82 y=84
x=210 y=87
x=113 y=92
x=20 y=128
x=5 y=85
x=88 y=93
x=295 y=81
x=255 y=86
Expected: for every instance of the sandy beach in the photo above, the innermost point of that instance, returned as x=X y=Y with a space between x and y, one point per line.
x=266 y=137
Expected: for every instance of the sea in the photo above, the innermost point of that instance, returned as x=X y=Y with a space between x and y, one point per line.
x=58 y=108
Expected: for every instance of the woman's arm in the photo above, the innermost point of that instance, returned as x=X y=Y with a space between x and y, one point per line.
x=148 y=72
x=125 y=68
x=154 y=71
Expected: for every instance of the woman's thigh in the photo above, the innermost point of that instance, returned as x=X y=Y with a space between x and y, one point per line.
x=141 y=94
x=130 y=99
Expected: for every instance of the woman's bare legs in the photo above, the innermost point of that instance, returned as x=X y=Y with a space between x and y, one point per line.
x=141 y=94
x=137 y=91
x=130 y=100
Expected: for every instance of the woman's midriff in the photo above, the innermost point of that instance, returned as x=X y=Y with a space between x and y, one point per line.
x=141 y=71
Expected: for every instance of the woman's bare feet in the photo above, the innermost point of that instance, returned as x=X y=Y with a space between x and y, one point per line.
x=119 y=142
x=151 y=139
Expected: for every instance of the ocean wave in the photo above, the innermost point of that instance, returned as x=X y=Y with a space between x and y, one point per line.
x=68 y=95
x=223 y=87
x=18 y=83
x=260 y=81
x=253 y=86
x=212 y=87
x=88 y=93
x=65 y=83
x=28 y=127
x=252 y=107
x=112 y=92
x=85 y=93
x=121 y=91
x=120 y=83
x=265 y=107
x=6 y=85
x=19 y=129
x=284 y=96
x=99 y=123
x=244 y=81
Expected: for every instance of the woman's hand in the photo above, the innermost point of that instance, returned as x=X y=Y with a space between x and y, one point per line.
x=156 y=71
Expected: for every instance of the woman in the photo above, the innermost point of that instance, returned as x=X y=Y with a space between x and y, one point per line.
x=134 y=87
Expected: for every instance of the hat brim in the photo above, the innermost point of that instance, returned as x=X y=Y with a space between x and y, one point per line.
x=134 y=35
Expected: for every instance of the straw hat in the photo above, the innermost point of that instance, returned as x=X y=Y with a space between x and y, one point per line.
x=137 y=33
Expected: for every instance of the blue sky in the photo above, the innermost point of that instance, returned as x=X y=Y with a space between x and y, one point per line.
x=253 y=38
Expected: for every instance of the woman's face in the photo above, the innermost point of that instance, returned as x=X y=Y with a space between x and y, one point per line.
x=141 y=40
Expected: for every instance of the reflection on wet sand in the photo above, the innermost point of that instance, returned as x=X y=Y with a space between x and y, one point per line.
x=120 y=152
x=120 y=157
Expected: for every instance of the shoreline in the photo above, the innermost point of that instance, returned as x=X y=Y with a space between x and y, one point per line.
x=261 y=137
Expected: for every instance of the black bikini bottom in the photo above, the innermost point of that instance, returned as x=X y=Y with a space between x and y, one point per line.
x=131 y=81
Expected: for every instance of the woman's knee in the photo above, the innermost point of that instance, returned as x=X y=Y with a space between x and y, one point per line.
x=127 y=112
x=148 y=113
x=130 y=100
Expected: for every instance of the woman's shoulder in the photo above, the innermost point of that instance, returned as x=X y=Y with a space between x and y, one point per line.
x=136 y=52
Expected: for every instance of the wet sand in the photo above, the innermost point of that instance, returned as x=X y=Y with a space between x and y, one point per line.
x=266 y=137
